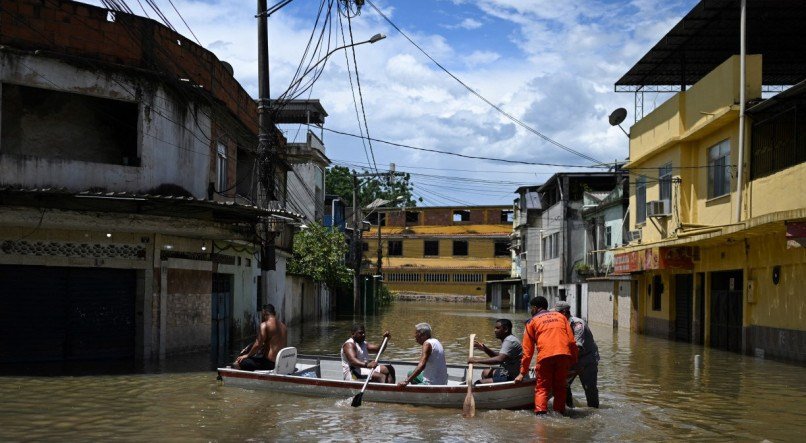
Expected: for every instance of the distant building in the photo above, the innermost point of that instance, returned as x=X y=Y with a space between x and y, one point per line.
x=717 y=208
x=443 y=250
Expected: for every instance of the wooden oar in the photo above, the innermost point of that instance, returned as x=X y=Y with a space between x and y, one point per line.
x=357 y=399
x=469 y=408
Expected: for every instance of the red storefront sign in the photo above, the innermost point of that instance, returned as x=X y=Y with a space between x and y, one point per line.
x=672 y=257
x=677 y=257
x=627 y=262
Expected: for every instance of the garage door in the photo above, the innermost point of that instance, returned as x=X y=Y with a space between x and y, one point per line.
x=51 y=314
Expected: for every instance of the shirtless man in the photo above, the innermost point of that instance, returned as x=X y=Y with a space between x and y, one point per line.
x=271 y=338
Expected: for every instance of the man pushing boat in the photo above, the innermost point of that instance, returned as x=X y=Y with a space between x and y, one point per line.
x=355 y=361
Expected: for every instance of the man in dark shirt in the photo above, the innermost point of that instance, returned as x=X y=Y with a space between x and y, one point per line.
x=587 y=367
x=509 y=357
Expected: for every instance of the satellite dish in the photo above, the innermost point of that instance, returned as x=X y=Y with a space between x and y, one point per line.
x=617 y=116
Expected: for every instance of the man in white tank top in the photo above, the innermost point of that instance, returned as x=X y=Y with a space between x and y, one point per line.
x=355 y=361
x=432 y=364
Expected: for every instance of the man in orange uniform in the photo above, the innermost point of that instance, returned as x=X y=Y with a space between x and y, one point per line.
x=556 y=351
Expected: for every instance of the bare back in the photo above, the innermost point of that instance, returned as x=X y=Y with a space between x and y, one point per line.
x=275 y=337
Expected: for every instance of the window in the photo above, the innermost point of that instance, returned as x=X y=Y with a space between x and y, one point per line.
x=501 y=248
x=431 y=248
x=402 y=278
x=551 y=246
x=395 y=248
x=608 y=236
x=221 y=167
x=69 y=127
x=436 y=278
x=467 y=278
x=665 y=182
x=364 y=246
x=719 y=169
x=507 y=216
x=377 y=217
x=412 y=216
x=640 y=200
x=459 y=247
x=461 y=215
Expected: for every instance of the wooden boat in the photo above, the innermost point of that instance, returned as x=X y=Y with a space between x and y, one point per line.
x=321 y=376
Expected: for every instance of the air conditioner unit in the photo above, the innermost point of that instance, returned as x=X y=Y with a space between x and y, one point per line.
x=658 y=208
x=635 y=235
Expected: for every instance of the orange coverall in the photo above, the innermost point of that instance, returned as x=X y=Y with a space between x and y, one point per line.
x=556 y=351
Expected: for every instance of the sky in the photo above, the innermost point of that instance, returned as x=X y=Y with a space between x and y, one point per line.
x=548 y=64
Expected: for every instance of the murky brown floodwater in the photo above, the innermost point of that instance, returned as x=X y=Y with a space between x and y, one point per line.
x=648 y=392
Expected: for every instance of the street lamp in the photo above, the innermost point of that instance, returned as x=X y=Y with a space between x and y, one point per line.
x=375 y=38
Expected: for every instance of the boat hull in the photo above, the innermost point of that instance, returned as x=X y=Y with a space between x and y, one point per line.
x=507 y=395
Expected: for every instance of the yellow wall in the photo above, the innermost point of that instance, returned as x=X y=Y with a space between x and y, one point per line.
x=717 y=211
x=661 y=126
x=782 y=305
x=681 y=131
x=781 y=191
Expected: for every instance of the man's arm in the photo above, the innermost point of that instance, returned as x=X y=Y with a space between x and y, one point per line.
x=260 y=342
x=373 y=347
x=485 y=348
x=572 y=343
x=352 y=359
x=528 y=346
x=420 y=366
x=495 y=357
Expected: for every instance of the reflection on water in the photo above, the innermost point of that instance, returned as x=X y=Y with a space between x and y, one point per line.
x=648 y=390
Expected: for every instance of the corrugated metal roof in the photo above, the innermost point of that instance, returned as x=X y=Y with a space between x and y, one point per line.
x=64 y=193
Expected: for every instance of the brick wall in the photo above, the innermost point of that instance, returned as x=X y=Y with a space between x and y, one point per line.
x=187 y=312
x=66 y=28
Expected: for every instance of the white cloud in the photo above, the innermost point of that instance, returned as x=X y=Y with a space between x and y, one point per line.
x=554 y=69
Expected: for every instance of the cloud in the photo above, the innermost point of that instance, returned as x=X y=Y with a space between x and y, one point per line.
x=550 y=64
x=467 y=23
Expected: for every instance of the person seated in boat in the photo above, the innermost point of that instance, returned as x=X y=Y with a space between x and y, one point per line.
x=272 y=336
x=509 y=357
x=432 y=369
x=355 y=361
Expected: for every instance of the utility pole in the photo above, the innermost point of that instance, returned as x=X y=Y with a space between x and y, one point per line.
x=357 y=252
x=265 y=154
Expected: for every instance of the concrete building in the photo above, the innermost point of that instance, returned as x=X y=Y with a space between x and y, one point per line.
x=443 y=250
x=562 y=241
x=717 y=213
x=129 y=225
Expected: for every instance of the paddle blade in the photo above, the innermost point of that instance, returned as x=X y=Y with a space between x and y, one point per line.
x=357 y=400
x=469 y=408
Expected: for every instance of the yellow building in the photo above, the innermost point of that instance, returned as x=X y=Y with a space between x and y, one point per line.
x=717 y=220
x=442 y=250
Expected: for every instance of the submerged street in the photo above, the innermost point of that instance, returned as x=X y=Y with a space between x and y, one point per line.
x=648 y=387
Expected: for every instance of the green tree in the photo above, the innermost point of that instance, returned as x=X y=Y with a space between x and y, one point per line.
x=319 y=254
x=339 y=181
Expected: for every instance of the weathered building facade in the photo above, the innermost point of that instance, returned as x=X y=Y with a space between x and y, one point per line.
x=129 y=225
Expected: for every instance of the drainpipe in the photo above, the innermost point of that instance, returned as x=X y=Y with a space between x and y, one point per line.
x=742 y=88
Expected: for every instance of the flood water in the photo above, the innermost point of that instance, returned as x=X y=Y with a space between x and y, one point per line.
x=648 y=390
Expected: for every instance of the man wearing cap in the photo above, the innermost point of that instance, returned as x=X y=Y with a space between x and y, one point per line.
x=587 y=367
x=550 y=332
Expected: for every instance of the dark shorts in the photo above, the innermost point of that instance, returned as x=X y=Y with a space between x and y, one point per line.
x=256 y=364
x=501 y=375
